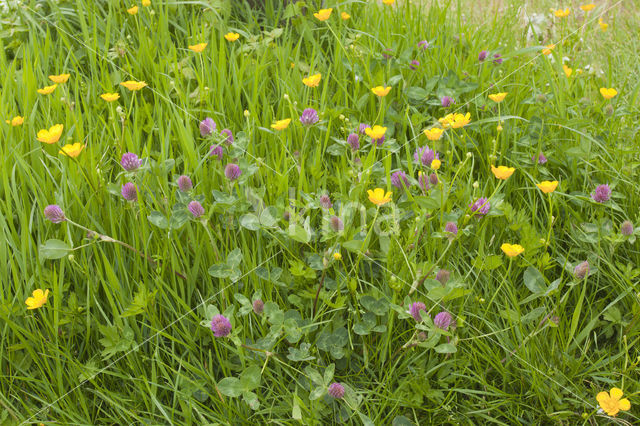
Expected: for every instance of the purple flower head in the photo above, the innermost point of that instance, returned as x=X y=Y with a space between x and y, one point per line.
x=581 y=270
x=626 y=228
x=414 y=65
x=497 y=59
x=423 y=44
x=362 y=128
x=444 y=320
x=399 y=179
x=540 y=158
x=415 y=309
x=216 y=151
x=424 y=156
x=184 y=183
x=325 y=201
x=378 y=142
x=451 y=228
x=54 y=213
x=354 y=141
x=130 y=161
x=221 y=326
x=228 y=140
x=447 y=101
x=309 y=117
x=258 y=306
x=433 y=179
x=196 y=209
x=481 y=207
x=336 y=390
x=482 y=55
x=602 y=193
x=207 y=126
x=423 y=181
x=232 y=171
x=387 y=53
x=336 y=223
x=442 y=276
x=129 y=192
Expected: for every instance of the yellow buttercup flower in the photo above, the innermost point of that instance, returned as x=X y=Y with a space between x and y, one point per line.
x=231 y=36
x=146 y=2
x=133 y=85
x=52 y=135
x=345 y=16
x=567 y=71
x=47 y=89
x=388 y=2
x=281 y=124
x=38 y=299
x=376 y=132
x=498 y=97
x=312 y=80
x=612 y=402
x=548 y=48
x=502 y=172
x=133 y=10
x=337 y=256
x=588 y=7
x=59 y=79
x=547 y=187
x=460 y=120
x=603 y=25
x=434 y=133
x=512 y=250
x=110 y=97
x=323 y=14
x=378 y=196
x=381 y=91
x=562 y=13
x=435 y=164
x=198 y=47
x=608 y=93
x=71 y=150
x=15 y=121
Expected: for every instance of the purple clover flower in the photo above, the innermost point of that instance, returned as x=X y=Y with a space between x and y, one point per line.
x=196 y=209
x=354 y=141
x=414 y=65
x=325 y=201
x=423 y=181
x=442 y=276
x=482 y=55
x=424 y=156
x=216 y=151
x=444 y=320
x=433 y=179
x=581 y=270
x=415 y=309
x=481 y=207
x=54 y=213
x=129 y=192
x=207 y=126
x=309 y=117
x=378 y=142
x=451 y=228
x=387 y=53
x=184 y=183
x=447 y=101
x=130 y=161
x=220 y=326
x=232 y=171
x=399 y=179
x=258 y=306
x=336 y=390
x=228 y=136
x=540 y=158
x=497 y=59
x=601 y=194
x=336 y=223
x=423 y=44
x=626 y=228
x=362 y=128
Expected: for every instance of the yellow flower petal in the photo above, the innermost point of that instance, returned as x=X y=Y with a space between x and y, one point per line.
x=381 y=91
x=312 y=80
x=323 y=14
x=59 y=79
x=198 y=47
x=616 y=393
x=547 y=187
x=498 y=97
x=376 y=132
x=47 y=89
x=502 y=172
x=133 y=10
x=281 y=124
x=624 y=404
x=71 y=150
x=52 y=135
x=110 y=97
x=231 y=36
x=133 y=85
x=345 y=16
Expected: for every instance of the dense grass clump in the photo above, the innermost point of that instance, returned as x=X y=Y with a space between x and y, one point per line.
x=364 y=213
